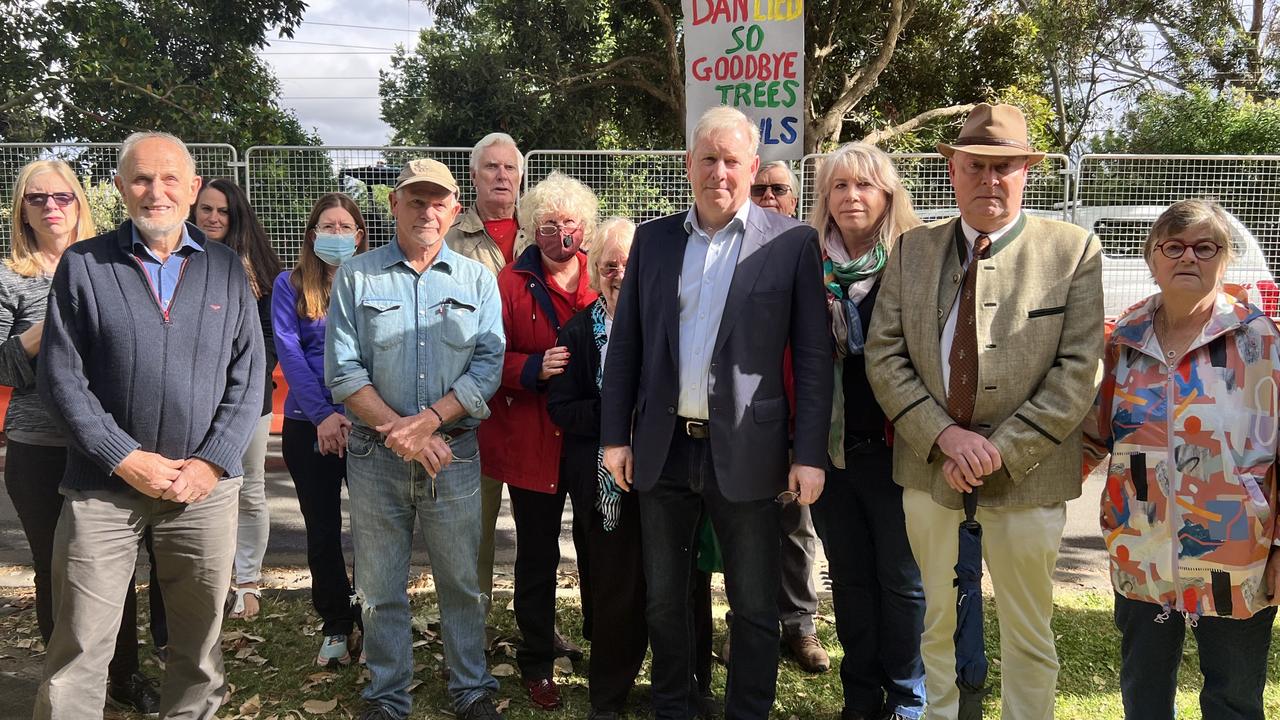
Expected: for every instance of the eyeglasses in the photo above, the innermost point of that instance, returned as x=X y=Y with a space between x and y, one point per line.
x=1204 y=250
x=331 y=229
x=779 y=189
x=612 y=270
x=548 y=229
x=61 y=199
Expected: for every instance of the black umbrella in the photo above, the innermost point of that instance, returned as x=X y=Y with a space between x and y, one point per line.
x=971 y=657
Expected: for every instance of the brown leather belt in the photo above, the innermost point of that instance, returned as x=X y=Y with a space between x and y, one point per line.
x=696 y=429
x=454 y=434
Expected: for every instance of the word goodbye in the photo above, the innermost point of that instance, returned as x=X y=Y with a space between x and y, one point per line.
x=711 y=11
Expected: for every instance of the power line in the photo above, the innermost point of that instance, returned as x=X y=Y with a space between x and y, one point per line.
x=361 y=27
x=358 y=47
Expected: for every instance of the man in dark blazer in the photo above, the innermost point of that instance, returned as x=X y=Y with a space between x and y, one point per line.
x=695 y=412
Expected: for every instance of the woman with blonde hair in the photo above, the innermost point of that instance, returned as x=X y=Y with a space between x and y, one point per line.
x=314 y=431
x=50 y=212
x=861 y=210
x=519 y=444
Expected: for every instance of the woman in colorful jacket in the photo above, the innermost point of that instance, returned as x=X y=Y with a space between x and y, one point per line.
x=1188 y=414
x=519 y=445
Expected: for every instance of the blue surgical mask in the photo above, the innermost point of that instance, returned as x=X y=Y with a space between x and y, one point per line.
x=334 y=249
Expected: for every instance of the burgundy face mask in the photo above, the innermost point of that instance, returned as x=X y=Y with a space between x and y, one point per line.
x=560 y=246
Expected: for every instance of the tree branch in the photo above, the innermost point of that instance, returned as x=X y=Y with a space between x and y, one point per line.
x=880 y=136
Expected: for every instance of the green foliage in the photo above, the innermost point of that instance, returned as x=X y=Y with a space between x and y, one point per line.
x=95 y=69
x=1197 y=122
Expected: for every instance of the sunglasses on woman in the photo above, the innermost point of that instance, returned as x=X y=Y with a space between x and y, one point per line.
x=61 y=199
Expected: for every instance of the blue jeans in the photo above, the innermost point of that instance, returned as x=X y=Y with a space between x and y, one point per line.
x=387 y=496
x=875 y=586
x=670 y=513
x=1233 y=660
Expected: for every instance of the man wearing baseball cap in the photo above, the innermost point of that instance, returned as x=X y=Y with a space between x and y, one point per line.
x=414 y=349
x=987 y=340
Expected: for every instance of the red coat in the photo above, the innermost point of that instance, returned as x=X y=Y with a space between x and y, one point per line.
x=519 y=445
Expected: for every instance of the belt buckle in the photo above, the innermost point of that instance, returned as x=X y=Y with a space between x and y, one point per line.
x=691 y=425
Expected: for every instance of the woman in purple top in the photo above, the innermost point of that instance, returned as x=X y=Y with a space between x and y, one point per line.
x=314 y=436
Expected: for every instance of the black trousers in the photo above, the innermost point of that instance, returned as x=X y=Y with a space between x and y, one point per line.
x=31 y=475
x=537 y=517
x=318 y=479
x=620 y=632
x=671 y=512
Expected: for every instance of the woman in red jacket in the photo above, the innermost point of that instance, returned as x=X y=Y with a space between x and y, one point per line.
x=519 y=445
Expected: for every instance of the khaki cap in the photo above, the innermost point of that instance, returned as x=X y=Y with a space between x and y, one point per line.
x=427 y=170
x=994 y=130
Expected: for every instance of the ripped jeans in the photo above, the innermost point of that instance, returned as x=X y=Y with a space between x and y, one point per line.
x=387 y=496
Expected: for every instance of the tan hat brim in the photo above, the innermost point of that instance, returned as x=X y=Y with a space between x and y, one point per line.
x=992 y=151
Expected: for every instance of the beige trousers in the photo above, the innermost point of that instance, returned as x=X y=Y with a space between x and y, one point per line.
x=1020 y=546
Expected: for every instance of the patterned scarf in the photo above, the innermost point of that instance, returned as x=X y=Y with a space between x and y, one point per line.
x=838 y=276
x=608 y=496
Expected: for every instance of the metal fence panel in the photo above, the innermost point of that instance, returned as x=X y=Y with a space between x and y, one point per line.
x=283 y=182
x=925 y=176
x=95 y=165
x=1119 y=197
x=636 y=184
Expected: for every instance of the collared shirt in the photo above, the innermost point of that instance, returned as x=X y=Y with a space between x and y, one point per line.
x=164 y=275
x=415 y=336
x=705 y=276
x=949 y=329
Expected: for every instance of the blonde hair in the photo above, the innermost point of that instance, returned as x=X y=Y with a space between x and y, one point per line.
x=22 y=238
x=614 y=231
x=864 y=161
x=1185 y=214
x=557 y=193
x=725 y=118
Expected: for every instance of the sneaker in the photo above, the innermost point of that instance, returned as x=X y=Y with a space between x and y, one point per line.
x=480 y=709
x=137 y=694
x=334 y=652
x=374 y=711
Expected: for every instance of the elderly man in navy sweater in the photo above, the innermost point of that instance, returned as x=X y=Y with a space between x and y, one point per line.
x=152 y=363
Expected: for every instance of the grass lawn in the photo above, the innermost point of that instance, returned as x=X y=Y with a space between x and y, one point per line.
x=270 y=661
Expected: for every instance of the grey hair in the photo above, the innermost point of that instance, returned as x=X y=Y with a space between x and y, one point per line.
x=1189 y=213
x=723 y=117
x=610 y=232
x=132 y=142
x=791 y=176
x=496 y=138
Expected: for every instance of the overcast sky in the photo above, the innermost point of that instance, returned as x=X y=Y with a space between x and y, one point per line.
x=334 y=89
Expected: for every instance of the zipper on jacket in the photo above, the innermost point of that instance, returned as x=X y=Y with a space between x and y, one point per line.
x=155 y=292
x=1175 y=480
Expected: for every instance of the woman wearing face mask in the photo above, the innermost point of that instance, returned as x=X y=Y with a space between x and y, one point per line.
x=519 y=445
x=314 y=436
x=223 y=214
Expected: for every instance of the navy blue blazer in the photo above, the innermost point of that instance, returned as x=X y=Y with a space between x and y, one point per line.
x=776 y=298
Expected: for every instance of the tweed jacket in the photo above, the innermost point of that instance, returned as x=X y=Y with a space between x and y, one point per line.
x=1040 y=335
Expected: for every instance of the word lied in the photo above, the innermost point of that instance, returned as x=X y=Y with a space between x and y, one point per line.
x=778 y=93
x=760 y=66
x=712 y=11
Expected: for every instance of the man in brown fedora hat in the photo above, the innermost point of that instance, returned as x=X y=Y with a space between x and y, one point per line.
x=988 y=337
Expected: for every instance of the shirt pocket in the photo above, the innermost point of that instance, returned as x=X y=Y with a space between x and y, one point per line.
x=384 y=321
x=459 y=323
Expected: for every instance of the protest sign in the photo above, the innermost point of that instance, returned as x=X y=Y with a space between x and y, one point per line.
x=748 y=54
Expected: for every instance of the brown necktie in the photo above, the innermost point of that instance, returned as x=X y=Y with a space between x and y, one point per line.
x=962 y=390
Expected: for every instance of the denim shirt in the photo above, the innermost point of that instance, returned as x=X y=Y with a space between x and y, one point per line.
x=415 y=337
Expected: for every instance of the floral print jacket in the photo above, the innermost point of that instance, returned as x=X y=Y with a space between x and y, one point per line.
x=1189 y=509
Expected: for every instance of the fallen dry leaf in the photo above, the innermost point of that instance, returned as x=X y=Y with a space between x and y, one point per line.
x=563 y=665
x=251 y=706
x=503 y=670
x=320 y=707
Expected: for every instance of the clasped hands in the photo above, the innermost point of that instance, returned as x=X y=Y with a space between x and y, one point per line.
x=416 y=437
x=154 y=475
x=970 y=457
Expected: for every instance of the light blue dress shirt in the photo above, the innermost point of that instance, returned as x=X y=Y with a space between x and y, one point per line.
x=415 y=336
x=705 y=277
x=164 y=275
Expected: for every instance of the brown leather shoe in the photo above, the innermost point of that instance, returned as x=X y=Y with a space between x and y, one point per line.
x=564 y=647
x=543 y=692
x=809 y=654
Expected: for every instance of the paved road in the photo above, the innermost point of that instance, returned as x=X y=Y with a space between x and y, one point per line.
x=1082 y=561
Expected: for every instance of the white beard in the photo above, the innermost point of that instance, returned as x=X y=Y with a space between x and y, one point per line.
x=151 y=227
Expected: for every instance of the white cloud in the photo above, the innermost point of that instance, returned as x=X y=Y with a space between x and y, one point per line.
x=335 y=89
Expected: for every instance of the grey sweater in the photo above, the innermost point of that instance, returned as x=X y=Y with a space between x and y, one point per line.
x=118 y=374
x=22 y=304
